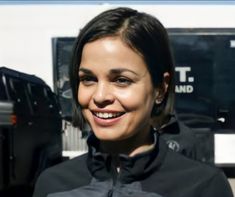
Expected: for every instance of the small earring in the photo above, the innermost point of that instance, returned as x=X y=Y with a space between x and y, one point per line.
x=154 y=128
x=158 y=101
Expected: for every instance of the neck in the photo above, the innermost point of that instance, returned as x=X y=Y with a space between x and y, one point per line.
x=130 y=146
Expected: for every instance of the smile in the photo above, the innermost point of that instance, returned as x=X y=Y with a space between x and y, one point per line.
x=107 y=115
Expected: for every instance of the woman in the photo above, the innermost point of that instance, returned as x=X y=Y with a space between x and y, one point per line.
x=122 y=78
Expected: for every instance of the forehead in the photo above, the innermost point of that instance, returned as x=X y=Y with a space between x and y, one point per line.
x=111 y=52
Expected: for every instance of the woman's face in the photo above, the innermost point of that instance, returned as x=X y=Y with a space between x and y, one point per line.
x=115 y=90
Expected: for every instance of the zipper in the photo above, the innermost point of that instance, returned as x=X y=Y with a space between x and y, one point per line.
x=115 y=177
x=110 y=193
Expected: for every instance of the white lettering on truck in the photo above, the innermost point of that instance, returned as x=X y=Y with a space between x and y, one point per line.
x=184 y=79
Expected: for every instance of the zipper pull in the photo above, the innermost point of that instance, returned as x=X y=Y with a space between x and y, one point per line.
x=110 y=193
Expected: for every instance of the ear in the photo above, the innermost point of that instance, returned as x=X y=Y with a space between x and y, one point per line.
x=162 y=89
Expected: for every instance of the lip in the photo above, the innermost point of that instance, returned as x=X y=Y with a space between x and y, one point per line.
x=106 y=122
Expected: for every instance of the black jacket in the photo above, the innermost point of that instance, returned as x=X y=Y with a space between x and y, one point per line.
x=160 y=172
x=180 y=138
x=197 y=144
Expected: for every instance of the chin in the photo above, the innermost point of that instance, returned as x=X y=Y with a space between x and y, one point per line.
x=107 y=135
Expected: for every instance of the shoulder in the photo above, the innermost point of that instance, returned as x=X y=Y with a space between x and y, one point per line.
x=67 y=169
x=62 y=177
x=203 y=179
x=175 y=161
x=178 y=175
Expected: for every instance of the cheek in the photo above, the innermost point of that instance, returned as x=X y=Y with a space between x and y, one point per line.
x=83 y=100
x=83 y=96
x=134 y=99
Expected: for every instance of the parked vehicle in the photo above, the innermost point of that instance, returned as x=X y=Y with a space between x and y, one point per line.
x=30 y=131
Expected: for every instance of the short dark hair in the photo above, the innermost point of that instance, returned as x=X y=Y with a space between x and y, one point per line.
x=141 y=32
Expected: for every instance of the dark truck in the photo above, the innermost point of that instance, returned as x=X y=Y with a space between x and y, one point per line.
x=30 y=131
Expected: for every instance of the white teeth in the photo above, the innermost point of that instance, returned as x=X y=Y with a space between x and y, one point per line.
x=107 y=115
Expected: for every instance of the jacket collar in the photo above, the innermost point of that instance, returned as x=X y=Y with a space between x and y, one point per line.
x=132 y=169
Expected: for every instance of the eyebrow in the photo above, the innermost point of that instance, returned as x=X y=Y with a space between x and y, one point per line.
x=86 y=71
x=112 y=71
x=121 y=70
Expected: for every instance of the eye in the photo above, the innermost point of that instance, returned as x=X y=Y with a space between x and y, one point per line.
x=123 y=81
x=87 y=80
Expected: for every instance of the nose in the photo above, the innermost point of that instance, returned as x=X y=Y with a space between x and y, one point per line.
x=103 y=94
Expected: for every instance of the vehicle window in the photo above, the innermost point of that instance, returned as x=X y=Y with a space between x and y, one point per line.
x=18 y=93
x=62 y=55
x=3 y=95
x=38 y=99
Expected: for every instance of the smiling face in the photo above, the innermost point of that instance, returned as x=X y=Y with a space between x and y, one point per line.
x=115 y=90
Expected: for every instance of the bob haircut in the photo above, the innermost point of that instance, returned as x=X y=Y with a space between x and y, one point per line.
x=144 y=34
